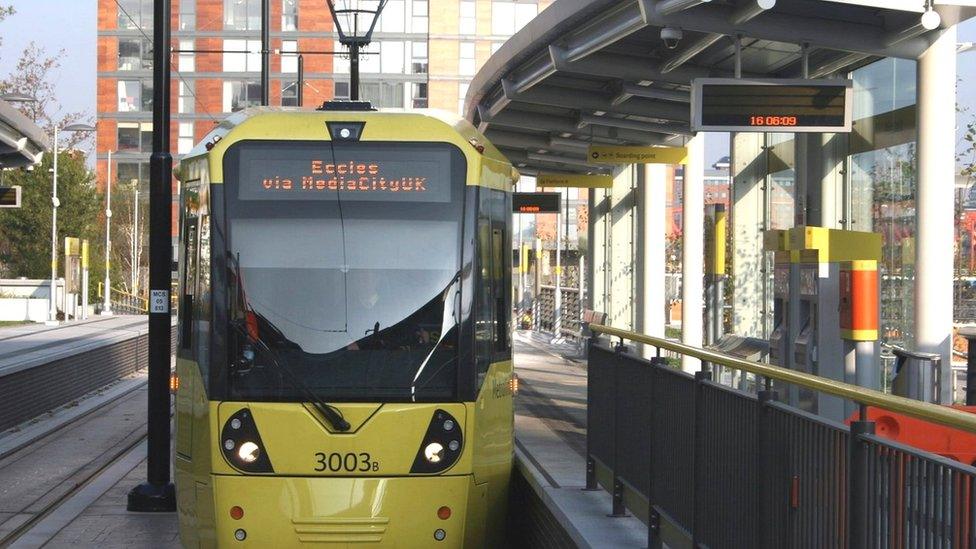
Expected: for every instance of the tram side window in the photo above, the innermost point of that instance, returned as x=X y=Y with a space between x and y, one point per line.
x=485 y=307
x=189 y=281
x=501 y=265
x=201 y=305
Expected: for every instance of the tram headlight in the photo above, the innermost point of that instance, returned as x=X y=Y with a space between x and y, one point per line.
x=441 y=446
x=242 y=446
x=434 y=452
x=249 y=452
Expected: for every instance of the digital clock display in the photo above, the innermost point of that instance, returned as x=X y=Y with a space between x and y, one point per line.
x=771 y=105
x=535 y=203
x=357 y=172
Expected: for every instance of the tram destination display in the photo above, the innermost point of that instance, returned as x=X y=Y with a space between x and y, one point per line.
x=771 y=105
x=364 y=172
x=533 y=203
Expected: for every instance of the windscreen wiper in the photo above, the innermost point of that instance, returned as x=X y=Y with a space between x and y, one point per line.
x=330 y=412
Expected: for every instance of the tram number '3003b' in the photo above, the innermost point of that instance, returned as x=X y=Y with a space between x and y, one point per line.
x=350 y=462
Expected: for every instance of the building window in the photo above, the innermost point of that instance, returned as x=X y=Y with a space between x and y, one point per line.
x=419 y=95
x=185 y=140
x=342 y=90
x=393 y=17
x=188 y=14
x=418 y=23
x=240 y=94
x=135 y=54
x=289 y=15
x=289 y=60
x=289 y=93
x=466 y=62
x=382 y=94
x=391 y=57
x=242 y=56
x=468 y=22
x=185 y=100
x=186 y=61
x=134 y=137
x=508 y=17
x=418 y=57
x=135 y=14
x=133 y=174
x=462 y=92
x=242 y=15
x=134 y=96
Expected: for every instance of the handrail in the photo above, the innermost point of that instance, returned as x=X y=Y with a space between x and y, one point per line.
x=862 y=395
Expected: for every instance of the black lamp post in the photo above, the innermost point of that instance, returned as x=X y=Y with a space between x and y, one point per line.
x=355 y=21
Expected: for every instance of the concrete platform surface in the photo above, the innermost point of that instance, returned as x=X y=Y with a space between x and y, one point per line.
x=550 y=438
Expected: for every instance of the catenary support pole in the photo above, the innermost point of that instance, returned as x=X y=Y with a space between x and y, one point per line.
x=265 y=52
x=693 y=250
x=107 y=298
x=936 y=172
x=301 y=81
x=157 y=493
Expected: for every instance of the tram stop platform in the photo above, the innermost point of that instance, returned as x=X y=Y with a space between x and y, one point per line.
x=93 y=452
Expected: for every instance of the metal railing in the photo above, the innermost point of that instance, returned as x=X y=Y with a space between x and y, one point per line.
x=707 y=465
x=124 y=302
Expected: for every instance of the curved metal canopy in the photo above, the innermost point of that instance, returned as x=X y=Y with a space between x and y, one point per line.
x=22 y=142
x=597 y=71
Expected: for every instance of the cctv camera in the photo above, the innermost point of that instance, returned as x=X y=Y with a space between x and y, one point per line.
x=671 y=37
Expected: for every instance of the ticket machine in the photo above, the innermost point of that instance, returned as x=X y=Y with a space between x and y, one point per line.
x=819 y=345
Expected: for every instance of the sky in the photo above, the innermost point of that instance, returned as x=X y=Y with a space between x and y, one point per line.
x=71 y=26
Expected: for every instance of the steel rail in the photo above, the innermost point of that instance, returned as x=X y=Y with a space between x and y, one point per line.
x=935 y=413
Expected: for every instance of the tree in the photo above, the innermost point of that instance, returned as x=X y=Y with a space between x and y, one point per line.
x=25 y=244
x=34 y=76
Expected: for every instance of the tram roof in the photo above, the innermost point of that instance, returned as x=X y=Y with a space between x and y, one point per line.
x=597 y=71
x=22 y=142
x=451 y=120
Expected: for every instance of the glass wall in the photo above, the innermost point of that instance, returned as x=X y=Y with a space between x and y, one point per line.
x=881 y=183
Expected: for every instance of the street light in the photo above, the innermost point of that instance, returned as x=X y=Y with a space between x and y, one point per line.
x=106 y=284
x=53 y=313
x=355 y=21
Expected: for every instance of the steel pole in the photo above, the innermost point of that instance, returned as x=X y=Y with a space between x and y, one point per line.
x=53 y=313
x=136 y=242
x=557 y=307
x=157 y=493
x=106 y=299
x=354 y=72
x=301 y=80
x=693 y=250
x=265 y=52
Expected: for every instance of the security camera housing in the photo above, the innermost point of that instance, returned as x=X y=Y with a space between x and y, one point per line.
x=671 y=36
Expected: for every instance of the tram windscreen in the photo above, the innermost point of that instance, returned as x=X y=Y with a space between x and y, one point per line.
x=351 y=280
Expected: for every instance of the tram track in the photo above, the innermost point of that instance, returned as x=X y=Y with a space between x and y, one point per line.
x=37 y=478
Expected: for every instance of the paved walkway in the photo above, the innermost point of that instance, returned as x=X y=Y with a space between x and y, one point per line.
x=28 y=345
x=550 y=433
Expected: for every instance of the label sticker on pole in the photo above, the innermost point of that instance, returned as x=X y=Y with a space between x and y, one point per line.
x=608 y=154
x=159 y=301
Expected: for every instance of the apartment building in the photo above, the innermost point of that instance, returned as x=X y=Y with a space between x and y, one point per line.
x=424 y=54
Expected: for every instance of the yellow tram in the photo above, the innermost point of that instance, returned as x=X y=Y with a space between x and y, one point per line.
x=345 y=362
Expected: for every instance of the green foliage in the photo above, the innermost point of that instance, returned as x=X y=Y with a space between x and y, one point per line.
x=25 y=232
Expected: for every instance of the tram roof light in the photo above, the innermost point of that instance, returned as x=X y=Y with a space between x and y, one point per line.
x=355 y=20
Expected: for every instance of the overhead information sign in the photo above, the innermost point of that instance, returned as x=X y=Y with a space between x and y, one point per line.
x=771 y=105
x=10 y=197
x=573 y=180
x=609 y=154
x=535 y=202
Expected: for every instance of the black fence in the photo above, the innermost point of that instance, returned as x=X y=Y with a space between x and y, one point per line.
x=705 y=465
